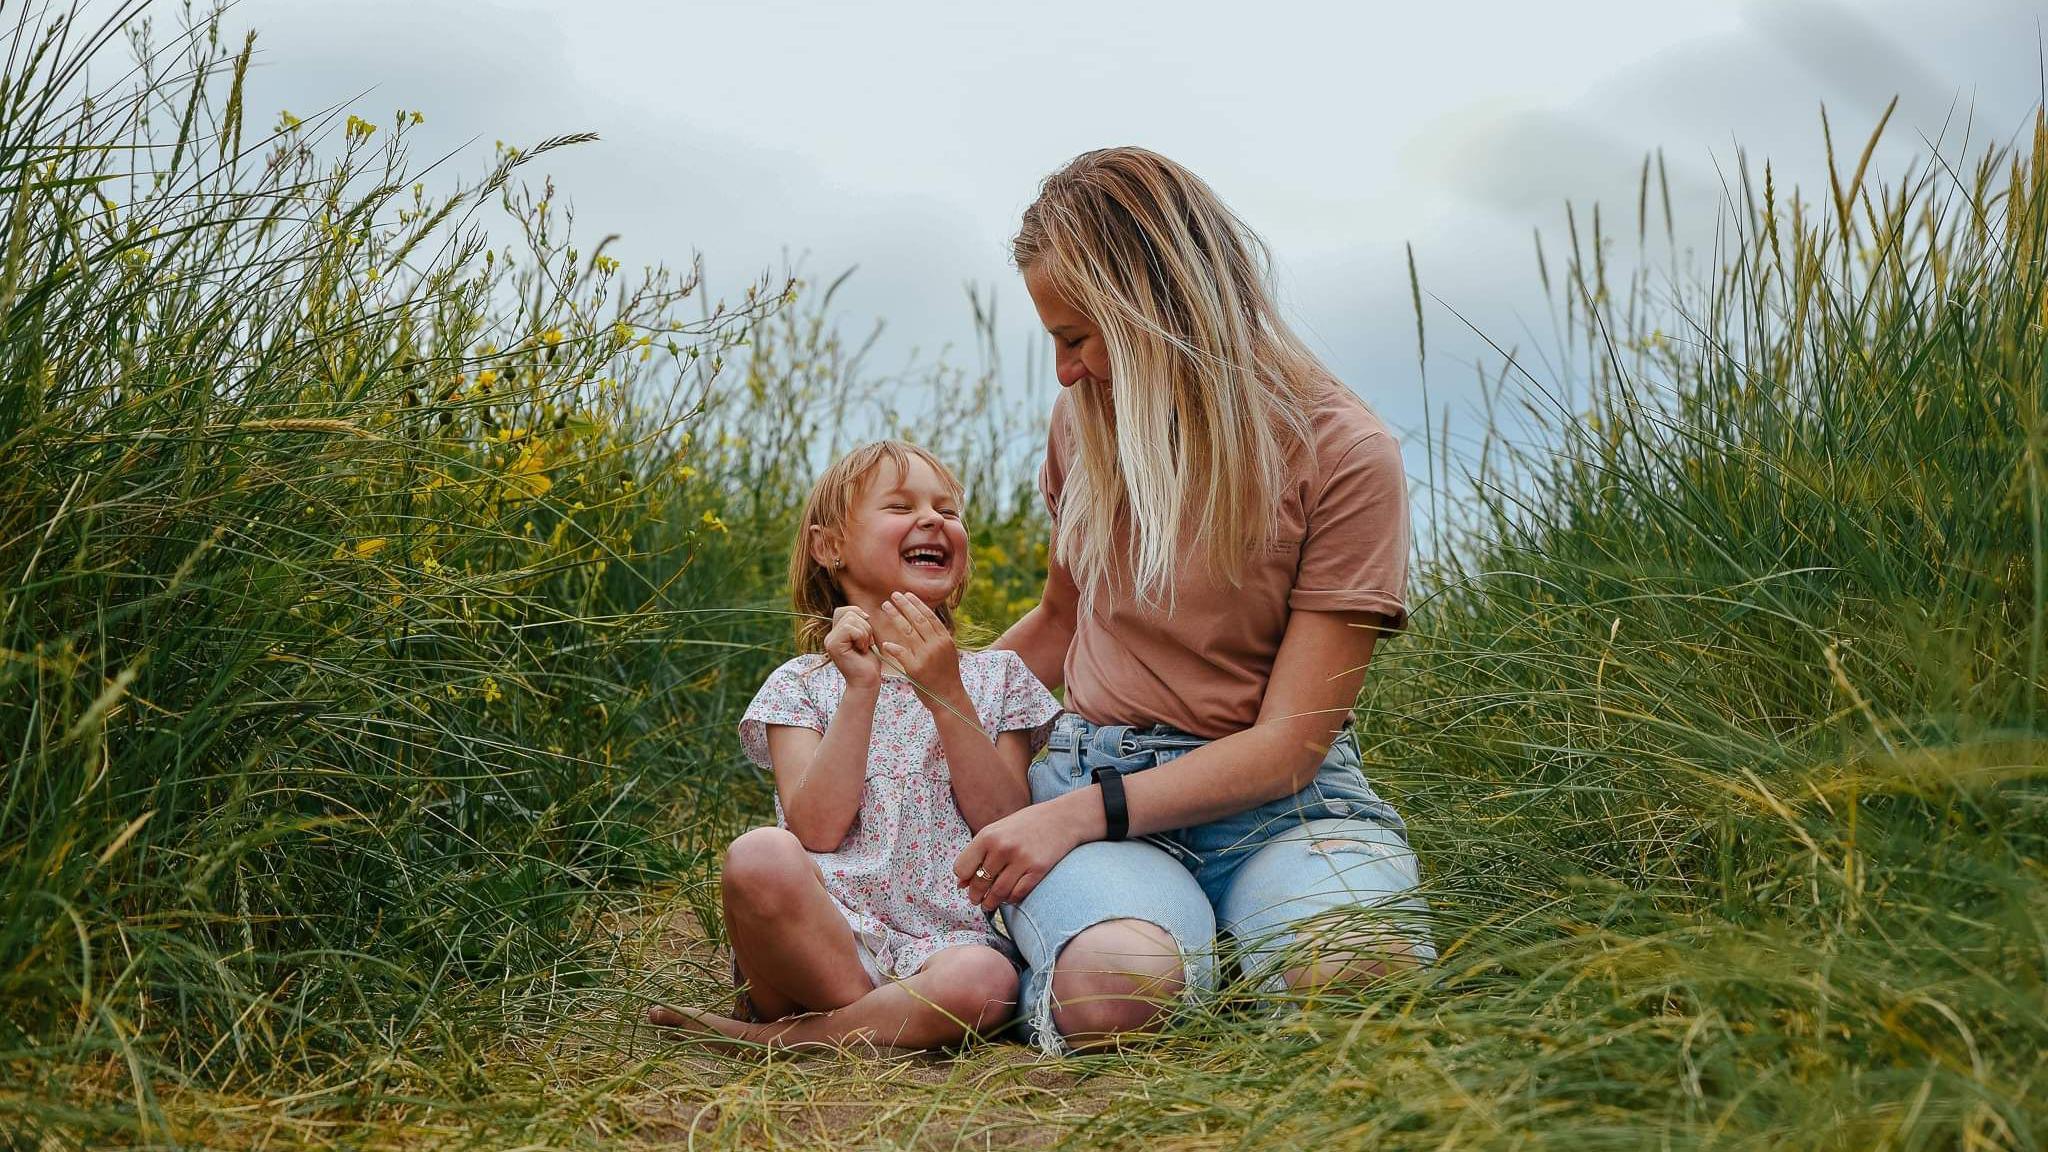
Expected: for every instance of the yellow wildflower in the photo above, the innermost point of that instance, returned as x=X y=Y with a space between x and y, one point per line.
x=368 y=548
x=712 y=521
x=491 y=694
x=527 y=479
x=551 y=337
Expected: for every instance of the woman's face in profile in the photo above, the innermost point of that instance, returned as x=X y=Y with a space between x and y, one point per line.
x=1078 y=351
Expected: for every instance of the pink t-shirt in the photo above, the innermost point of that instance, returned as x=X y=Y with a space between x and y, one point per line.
x=892 y=876
x=1340 y=544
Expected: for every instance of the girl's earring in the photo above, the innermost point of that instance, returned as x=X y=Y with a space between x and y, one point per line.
x=838 y=564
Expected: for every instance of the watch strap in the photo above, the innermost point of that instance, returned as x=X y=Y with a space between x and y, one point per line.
x=1116 y=813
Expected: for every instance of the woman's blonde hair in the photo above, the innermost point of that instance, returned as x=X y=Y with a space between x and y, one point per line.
x=1212 y=390
x=813 y=588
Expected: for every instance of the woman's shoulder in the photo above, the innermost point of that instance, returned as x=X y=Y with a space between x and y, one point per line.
x=1059 y=444
x=1345 y=437
x=1340 y=419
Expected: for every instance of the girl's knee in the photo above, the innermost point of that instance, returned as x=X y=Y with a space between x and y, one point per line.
x=1119 y=976
x=766 y=869
x=977 y=986
x=989 y=970
x=990 y=988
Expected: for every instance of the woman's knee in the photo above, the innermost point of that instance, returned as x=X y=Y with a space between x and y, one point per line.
x=1340 y=960
x=1115 y=977
x=766 y=872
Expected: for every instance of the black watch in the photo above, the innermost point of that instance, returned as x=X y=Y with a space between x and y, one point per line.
x=1116 y=814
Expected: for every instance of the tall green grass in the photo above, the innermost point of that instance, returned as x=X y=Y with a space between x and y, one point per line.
x=1721 y=730
x=317 y=516
x=378 y=596
x=374 y=597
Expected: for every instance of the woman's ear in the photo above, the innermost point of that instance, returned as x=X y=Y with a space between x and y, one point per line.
x=824 y=547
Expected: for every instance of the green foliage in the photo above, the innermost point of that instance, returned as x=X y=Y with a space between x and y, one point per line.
x=1722 y=728
x=318 y=519
x=369 y=591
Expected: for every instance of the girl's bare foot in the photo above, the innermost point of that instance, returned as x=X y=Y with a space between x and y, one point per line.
x=721 y=1032
x=725 y=1034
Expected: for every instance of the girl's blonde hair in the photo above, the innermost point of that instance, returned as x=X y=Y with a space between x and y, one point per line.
x=813 y=588
x=1212 y=390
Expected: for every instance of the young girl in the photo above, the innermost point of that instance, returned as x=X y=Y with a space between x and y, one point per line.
x=890 y=749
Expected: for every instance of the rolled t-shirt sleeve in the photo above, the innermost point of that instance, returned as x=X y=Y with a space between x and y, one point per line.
x=1354 y=557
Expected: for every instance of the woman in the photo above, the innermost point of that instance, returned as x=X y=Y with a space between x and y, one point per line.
x=1230 y=539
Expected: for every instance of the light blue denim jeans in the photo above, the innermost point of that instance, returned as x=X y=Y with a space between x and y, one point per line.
x=1257 y=876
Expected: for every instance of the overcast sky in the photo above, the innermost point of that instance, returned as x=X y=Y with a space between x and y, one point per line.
x=906 y=137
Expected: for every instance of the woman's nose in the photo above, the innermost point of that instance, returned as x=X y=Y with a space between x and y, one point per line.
x=1070 y=371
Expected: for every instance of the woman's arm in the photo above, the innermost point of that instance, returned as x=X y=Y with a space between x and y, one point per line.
x=820 y=777
x=1044 y=634
x=1315 y=682
x=1316 y=676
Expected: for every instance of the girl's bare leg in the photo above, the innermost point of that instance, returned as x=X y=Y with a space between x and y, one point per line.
x=970 y=989
x=793 y=945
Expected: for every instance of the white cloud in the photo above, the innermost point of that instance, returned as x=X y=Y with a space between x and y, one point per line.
x=906 y=137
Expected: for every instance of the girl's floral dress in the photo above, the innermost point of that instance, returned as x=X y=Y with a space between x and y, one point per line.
x=893 y=875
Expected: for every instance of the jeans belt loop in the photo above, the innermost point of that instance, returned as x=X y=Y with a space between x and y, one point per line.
x=1108 y=738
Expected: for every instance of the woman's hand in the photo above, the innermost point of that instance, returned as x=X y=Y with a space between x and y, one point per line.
x=851 y=646
x=1008 y=857
x=927 y=653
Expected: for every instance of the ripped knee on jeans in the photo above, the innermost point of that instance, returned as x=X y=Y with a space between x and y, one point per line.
x=1111 y=979
x=1335 y=956
x=1346 y=845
